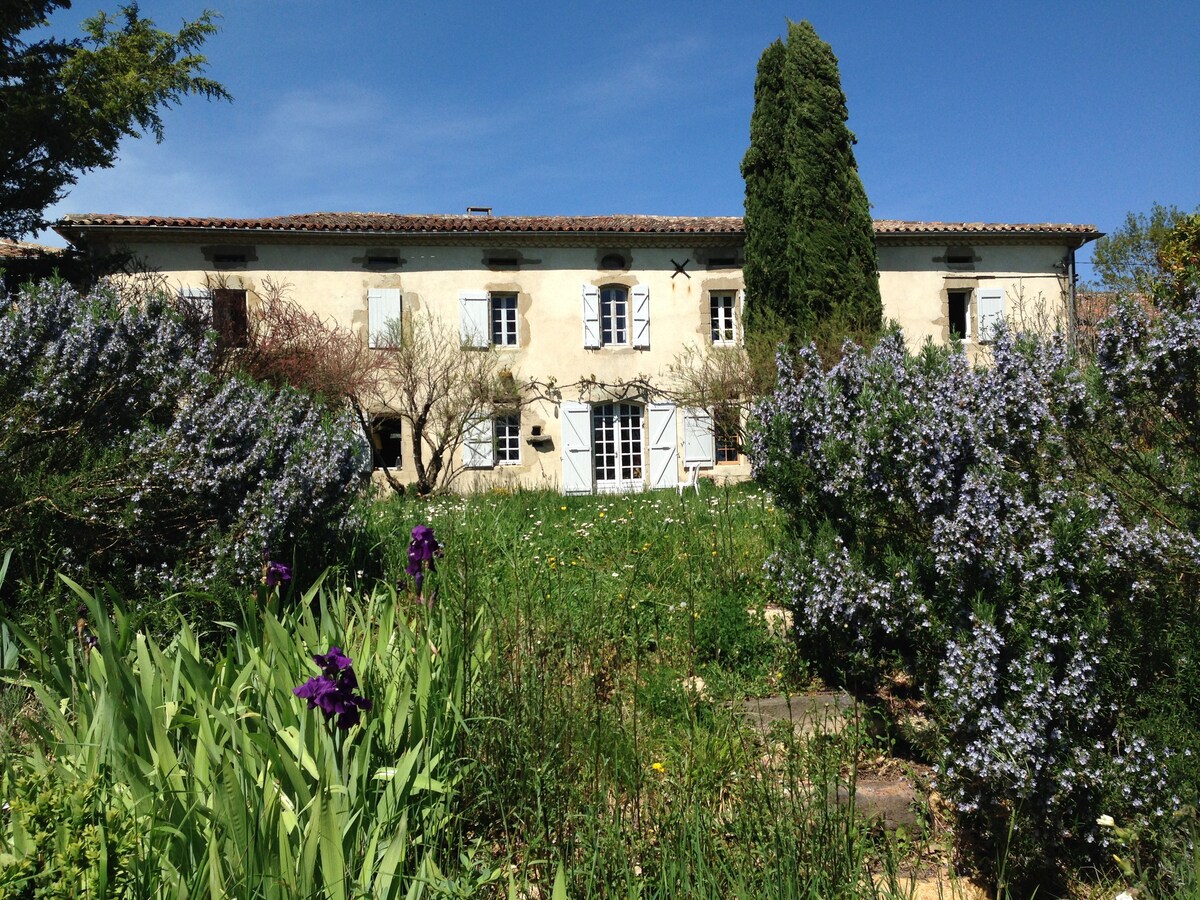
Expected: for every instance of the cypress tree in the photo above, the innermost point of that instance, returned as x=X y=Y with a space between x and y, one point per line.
x=766 y=219
x=816 y=273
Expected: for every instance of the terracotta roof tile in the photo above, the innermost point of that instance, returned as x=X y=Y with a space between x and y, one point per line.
x=392 y=223
x=895 y=226
x=10 y=249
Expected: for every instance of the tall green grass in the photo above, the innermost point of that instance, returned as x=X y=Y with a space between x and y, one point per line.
x=220 y=782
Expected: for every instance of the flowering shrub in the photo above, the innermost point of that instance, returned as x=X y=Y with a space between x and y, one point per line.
x=1020 y=538
x=127 y=460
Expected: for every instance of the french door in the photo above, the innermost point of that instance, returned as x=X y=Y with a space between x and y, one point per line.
x=618 y=447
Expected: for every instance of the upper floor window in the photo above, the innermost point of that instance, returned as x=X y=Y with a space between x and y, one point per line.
x=614 y=315
x=504 y=319
x=722 y=306
x=487 y=319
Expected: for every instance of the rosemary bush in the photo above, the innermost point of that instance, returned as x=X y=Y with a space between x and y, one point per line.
x=1021 y=540
x=127 y=461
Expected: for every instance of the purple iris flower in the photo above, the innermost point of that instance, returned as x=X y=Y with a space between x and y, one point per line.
x=277 y=573
x=422 y=550
x=333 y=690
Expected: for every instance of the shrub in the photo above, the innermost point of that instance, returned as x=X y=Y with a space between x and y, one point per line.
x=127 y=460
x=1021 y=539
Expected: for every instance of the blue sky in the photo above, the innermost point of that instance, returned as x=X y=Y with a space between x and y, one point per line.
x=1013 y=111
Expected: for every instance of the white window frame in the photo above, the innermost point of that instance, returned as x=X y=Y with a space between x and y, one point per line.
x=619 y=447
x=614 y=316
x=722 y=318
x=507 y=432
x=503 y=318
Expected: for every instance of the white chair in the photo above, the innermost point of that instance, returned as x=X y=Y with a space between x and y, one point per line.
x=692 y=481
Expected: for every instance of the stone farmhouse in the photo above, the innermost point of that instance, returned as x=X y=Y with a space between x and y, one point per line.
x=604 y=297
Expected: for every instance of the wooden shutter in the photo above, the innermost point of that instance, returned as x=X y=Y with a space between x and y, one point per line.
x=230 y=318
x=474 y=325
x=383 y=308
x=697 y=438
x=640 y=298
x=576 y=422
x=591 y=316
x=664 y=446
x=479 y=451
x=990 y=310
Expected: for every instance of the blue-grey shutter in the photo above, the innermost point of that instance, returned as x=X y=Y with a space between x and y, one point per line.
x=474 y=325
x=576 y=421
x=640 y=298
x=664 y=445
x=698 y=438
x=198 y=299
x=591 y=316
x=990 y=310
x=479 y=451
x=383 y=308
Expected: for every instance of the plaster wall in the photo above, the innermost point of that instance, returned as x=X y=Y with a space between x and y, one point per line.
x=334 y=280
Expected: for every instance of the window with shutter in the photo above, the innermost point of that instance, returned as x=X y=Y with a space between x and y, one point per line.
x=614 y=315
x=504 y=320
x=508 y=439
x=383 y=317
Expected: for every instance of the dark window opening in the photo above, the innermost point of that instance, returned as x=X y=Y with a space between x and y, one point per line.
x=723 y=262
x=961 y=258
x=230 y=319
x=959 y=305
x=385 y=442
x=229 y=259
x=503 y=262
x=383 y=260
x=612 y=261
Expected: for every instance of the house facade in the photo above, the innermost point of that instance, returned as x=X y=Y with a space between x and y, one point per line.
x=585 y=303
